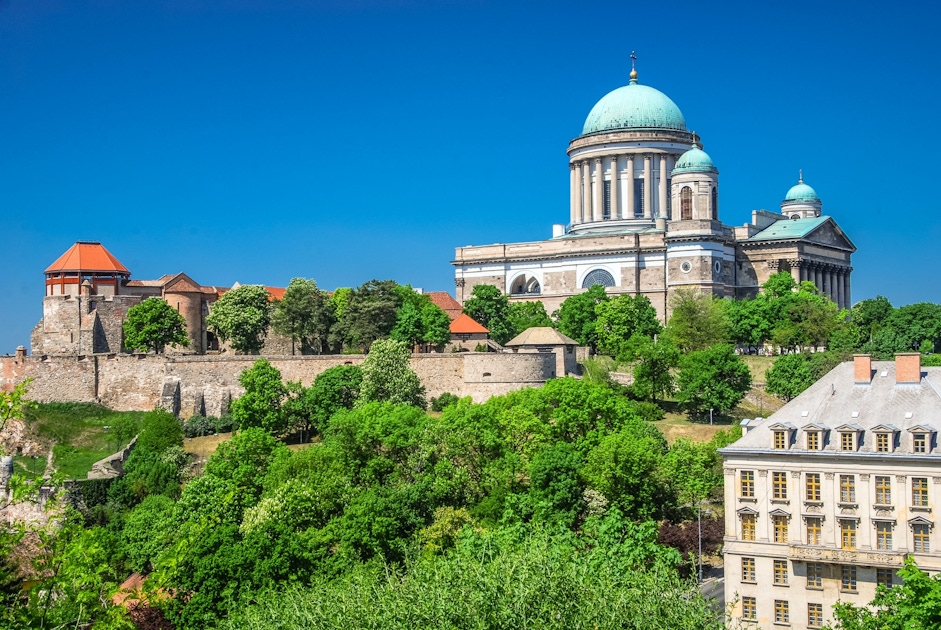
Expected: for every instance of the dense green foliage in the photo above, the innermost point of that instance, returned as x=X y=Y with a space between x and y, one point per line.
x=370 y=312
x=525 y=315
x=242 y=316
x=305 y=315
x=914 y=604
x=491 y=309
x=387 y=376
x=619 y=319
x=260 y=405
x=698 y=321
x=715 y=378
x=152 y=325
x=578 y=315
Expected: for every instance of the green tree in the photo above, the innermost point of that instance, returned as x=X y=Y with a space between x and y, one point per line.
x=623 y=467
x=714 y=378
x=619 y=319
x=693 y=470
x=577 y=315
x=916 y=603
x=698 y=320
x=525 y=315
x=242 y=316
x=260 y=405
x=408 y=325
x=369 y=314
x=750 y=322
x=869 y=315
x=387 y=376
x=436 y=325
x=305 y=315
x=334 y=389
x=789 y=376
x=653 y=362
x=491 y=309
x=152 y=325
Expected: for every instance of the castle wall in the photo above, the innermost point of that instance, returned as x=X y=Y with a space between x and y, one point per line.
x=206 y=384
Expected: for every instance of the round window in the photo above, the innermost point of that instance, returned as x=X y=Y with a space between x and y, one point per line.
x=717 y=265
x=686 y=266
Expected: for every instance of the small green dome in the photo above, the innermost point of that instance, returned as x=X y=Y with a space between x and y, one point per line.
x=634 y=106
x=802 y=193
x=695 y=161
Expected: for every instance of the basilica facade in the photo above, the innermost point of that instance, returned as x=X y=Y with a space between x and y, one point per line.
x=644 y=220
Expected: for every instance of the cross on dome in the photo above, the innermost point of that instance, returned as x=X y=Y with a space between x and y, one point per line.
x=633 y=66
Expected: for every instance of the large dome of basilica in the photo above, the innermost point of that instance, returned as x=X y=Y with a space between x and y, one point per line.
x=634 y=106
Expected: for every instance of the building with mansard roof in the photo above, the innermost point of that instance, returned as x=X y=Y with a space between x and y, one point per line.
x=644 y=220
x=826 y=498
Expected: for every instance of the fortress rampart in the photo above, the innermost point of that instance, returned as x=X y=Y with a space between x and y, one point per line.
x=206 y=384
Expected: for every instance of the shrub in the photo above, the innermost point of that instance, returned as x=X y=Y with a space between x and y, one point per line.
x=198 y=426
x=444 y=400
x=224 y=423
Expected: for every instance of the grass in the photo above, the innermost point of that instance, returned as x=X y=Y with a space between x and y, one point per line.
x=29 y=467
x=78 y=434
x=758 y=366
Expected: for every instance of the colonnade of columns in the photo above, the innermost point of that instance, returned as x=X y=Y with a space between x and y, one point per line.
x=587 y=203
x=832 y=280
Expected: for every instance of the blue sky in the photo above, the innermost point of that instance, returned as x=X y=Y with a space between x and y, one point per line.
x=255 y=141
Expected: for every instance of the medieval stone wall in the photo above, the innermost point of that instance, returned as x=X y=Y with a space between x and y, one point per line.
x=206 y=384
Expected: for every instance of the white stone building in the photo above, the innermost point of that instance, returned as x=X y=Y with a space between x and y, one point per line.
x=644 y=220
x=824 y=499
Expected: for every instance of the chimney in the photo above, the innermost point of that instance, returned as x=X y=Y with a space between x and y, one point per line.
x=862 y=369
x=908 y=367
x=21 y=354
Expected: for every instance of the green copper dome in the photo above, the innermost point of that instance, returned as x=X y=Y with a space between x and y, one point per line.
x=634 y=106
x=801 y=192
x=695 y=161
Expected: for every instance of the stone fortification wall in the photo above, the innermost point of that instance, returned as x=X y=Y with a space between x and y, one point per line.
x=206 y=384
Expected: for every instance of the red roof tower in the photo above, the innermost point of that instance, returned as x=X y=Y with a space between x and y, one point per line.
x=86 y=260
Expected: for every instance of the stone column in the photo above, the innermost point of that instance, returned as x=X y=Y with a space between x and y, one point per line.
x=839 y=289
x=586 y=190
x=597 y=198
x=629 y=212
x=846 y=289
x=615 y=213
x=662 y=211
x=648 y=187
x=573 y=194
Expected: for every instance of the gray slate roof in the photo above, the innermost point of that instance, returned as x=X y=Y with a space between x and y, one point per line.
x=837 y=401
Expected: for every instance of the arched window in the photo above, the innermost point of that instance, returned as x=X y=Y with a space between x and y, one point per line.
x=686 y=203
x=598 y=276
x=524 y=285
x=715 y=203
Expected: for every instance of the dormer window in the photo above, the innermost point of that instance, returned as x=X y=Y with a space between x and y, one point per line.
x=849 y=437
x=847 y=441
x=813 y=441
x=922 y=438
x=884 y=440
x=814 y=433
x=781 y=433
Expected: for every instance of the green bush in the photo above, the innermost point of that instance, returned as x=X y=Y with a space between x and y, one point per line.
x=444 y=400
x=198 y=426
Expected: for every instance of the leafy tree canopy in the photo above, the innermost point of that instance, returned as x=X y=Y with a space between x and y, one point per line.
x=387 y=376
x=304 y=314
x=525 y=315
x=260 y=405
x=619 y=319
x=152 y=325
x=491 y=309
x=714 y=378
x=789 y=376
x=577 y=315
x=370 y=314
x=242 y=316
x=698 y=320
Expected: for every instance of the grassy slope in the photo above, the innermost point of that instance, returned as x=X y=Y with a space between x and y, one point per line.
x=78 y=435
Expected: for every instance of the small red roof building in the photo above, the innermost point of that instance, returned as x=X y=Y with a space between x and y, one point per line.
x=466 y=325
x=89 y=256
x=444 y=301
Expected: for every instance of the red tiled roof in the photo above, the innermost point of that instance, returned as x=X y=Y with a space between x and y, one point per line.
x=88 y=256
x=465 y=324
x=276 y=293
x=444 y=301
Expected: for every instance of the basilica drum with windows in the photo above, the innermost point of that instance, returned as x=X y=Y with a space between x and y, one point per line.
x=824 y=499
x=644 y=220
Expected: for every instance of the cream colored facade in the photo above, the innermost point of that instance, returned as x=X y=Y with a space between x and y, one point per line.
x=824 y=499
x=644 y=220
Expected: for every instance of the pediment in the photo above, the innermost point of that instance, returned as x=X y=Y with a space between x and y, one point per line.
x=885 y=428
x=181 y=283
x=746 y=510
x=921 y=428
x=829 y=234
